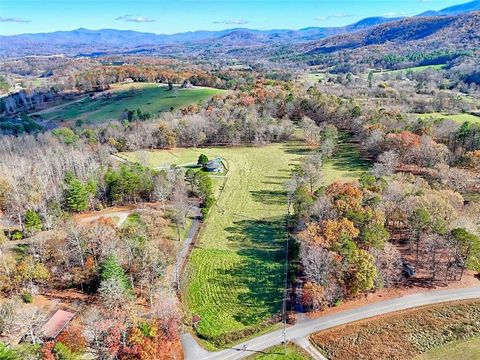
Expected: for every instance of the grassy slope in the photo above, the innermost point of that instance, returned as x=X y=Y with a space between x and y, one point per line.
x=416 y=69
x=236 y=272
x=278 y=353
x=345 y=164
x=149 y=97
x=464 y=350
x=460 y=118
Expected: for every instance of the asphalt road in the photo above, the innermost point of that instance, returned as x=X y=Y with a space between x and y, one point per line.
x=306 y=327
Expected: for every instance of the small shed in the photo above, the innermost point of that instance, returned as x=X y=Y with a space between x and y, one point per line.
x=214 y=165
x=56 y=324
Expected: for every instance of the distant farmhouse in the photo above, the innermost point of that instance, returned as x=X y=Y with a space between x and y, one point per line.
x=214 y=165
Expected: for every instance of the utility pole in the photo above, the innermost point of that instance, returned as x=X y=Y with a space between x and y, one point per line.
x=285 y=290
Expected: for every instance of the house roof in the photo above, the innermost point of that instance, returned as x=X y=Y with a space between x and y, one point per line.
x=214 y=164
x=56 y=323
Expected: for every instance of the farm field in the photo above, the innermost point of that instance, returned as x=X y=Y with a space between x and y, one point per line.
x=150 y=97
x=416 y=69
x=312 y=78
x=460 y=118
x=236 y=271
x=416 y=331
x=457 y=350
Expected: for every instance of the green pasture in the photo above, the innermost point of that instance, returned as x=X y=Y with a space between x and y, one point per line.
x=457 y=350
x=149 y=97
x=460 y=118
x=235 y=273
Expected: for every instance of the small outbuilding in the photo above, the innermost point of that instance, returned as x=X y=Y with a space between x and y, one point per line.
x=54 y=326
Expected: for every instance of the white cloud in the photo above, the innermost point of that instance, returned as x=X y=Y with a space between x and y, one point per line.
x=333 y=16
x=134 y=18
x=231 y=22
x=15 y=19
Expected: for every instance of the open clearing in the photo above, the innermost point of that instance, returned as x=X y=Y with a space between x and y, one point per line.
x=414 y=69
x=402 y=335
x=457 y=350
x=149 y=97
x=346 y=162
x=236 y=271
x=460 y=118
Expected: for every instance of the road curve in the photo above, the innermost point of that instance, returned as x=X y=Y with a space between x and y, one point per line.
x=306 y=327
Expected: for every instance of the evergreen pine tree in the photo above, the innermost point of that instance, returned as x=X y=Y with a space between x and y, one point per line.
x=112 y=269
x=32 y=222
x=76 y=196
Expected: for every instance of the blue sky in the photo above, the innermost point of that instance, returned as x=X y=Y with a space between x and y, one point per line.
x=163 y=16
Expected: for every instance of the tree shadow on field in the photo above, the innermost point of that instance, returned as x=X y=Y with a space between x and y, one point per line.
x=261 y=244
x=297 y=149
x=269 y=197
x=347 y=156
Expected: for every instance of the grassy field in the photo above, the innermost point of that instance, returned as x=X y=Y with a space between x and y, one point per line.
x=415 y=69
x=149 y=97
x=457 y=350
x=278 y=353
x=403 y=335
x=345 y=164
x=236 y=271
x=312 y=78
x=460 y=118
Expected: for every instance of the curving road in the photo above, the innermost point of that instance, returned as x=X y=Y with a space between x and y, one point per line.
x=306 y=327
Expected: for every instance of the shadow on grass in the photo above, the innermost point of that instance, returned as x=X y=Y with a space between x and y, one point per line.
x=260 y=243
x=297 y=149
x=269 y=197
x=347 y=157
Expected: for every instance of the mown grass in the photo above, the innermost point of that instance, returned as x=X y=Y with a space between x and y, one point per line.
x=149 y=97
x=403 y=335
x=278 y=353
x=461 y=350
x=460 y=118
x=236 y=270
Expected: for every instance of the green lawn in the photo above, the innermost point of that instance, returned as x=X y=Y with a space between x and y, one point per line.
x=149 y=97
x=278 y=353
x=457 y=350
x=460 y=118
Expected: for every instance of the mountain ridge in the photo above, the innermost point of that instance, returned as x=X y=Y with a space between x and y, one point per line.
x=85 y=41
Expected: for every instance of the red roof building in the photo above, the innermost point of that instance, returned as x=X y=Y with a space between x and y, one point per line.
x=56 y=324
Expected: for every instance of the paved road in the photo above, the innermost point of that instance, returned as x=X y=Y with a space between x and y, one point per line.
x=306 y=327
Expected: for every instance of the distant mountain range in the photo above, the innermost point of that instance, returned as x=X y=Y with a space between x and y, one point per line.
x=455 y=32
x=90 y=42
